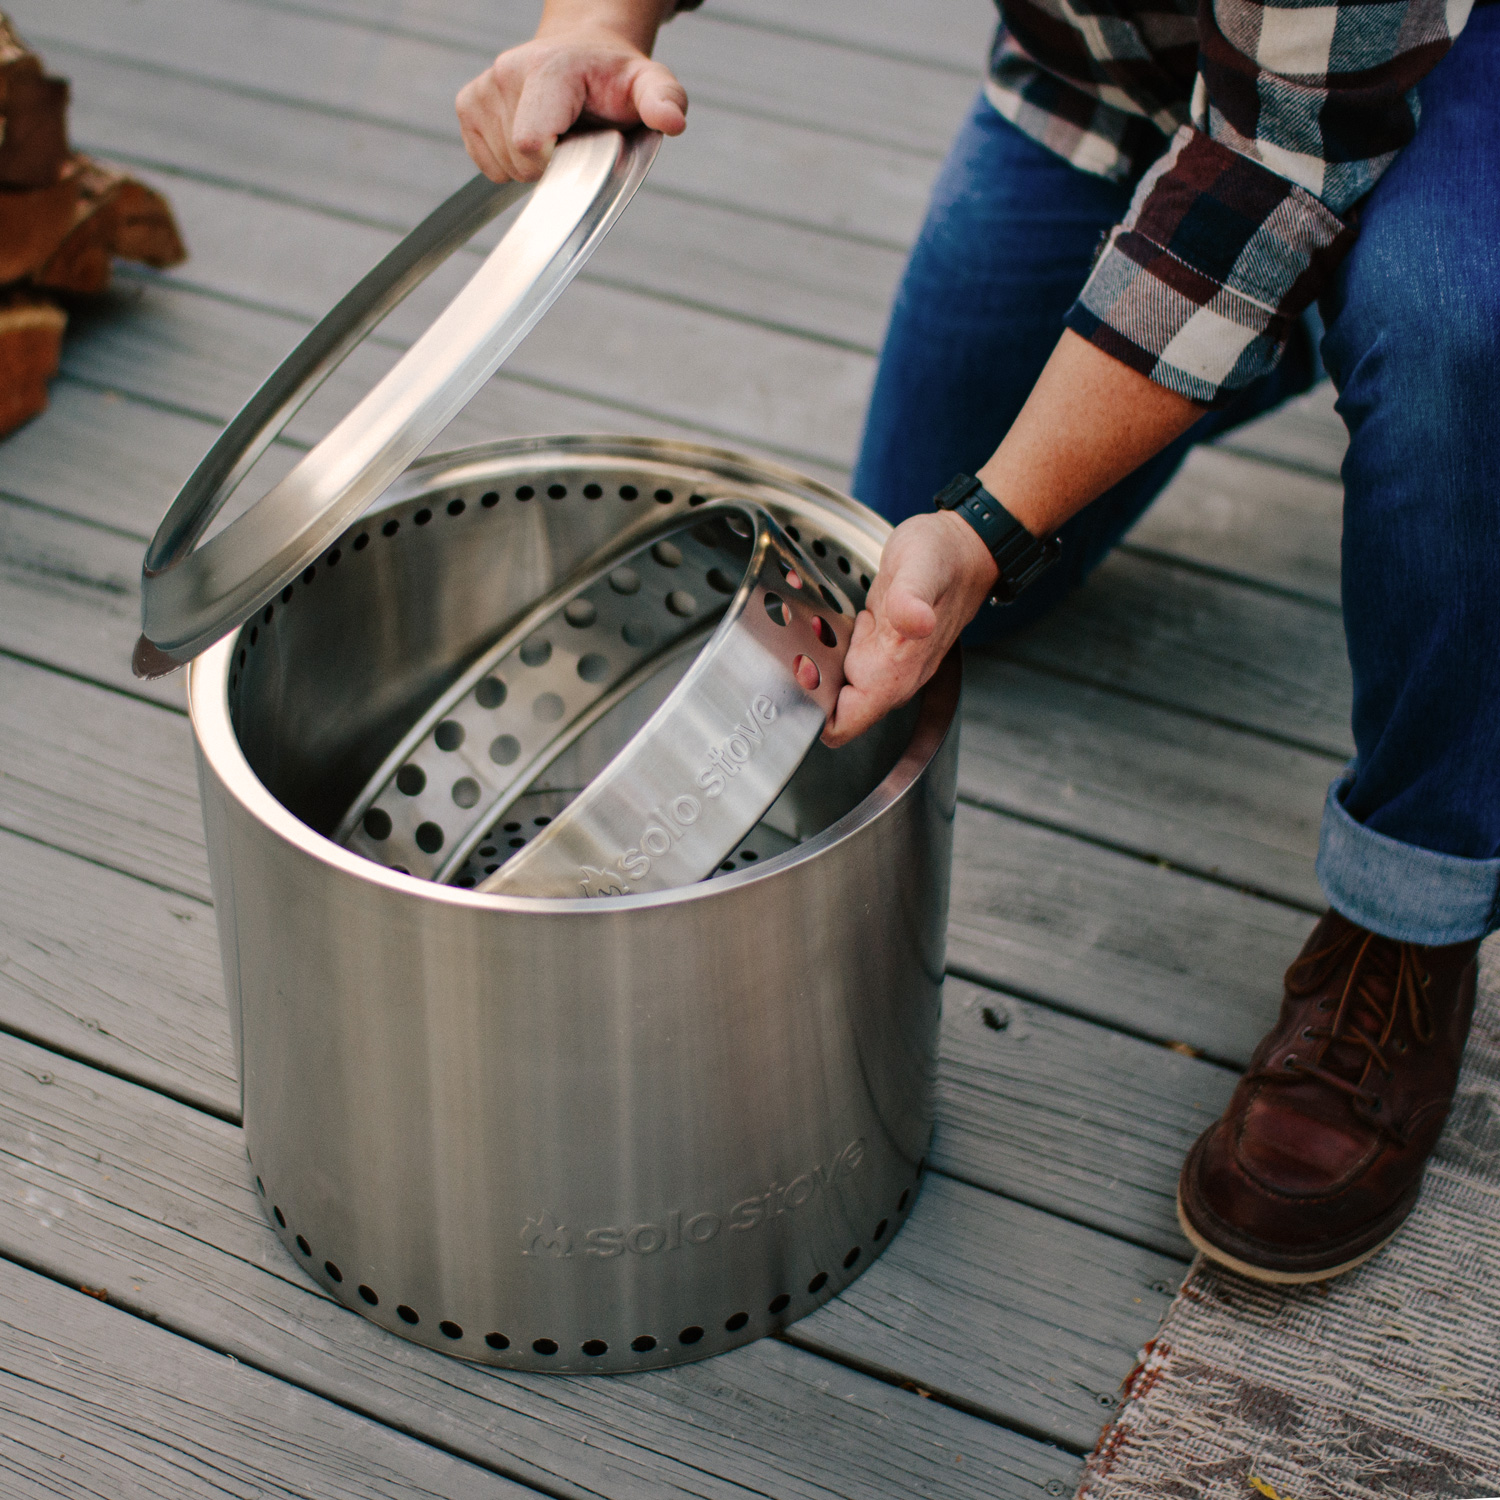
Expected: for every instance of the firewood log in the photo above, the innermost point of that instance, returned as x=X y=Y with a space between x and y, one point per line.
x=33 y=116
x=114 y=215
x=34 y=223
x=31 y=330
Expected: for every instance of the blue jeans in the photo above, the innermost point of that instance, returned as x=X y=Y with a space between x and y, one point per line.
x=1410 y=843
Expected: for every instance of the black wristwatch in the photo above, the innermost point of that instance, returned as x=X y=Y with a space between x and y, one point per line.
x=1021 y=557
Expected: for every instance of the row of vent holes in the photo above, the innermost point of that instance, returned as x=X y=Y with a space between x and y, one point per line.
x=644 y=1343
x=489 y=500
x=820 y=551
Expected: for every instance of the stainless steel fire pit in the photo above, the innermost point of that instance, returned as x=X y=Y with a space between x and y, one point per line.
x=556 y=1133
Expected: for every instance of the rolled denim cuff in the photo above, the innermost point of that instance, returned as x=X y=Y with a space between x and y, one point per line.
x=1398 y=890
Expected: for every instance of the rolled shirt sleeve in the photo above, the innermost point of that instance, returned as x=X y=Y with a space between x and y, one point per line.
x=1239 y=226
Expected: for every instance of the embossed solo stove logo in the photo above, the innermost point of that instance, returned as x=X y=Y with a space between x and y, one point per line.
x=544 y=1235
x=670 y=823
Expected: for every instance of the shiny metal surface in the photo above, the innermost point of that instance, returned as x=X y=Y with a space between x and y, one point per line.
x=706 y=766
x=191 y=596
x=563 y=1134
x=695 y=778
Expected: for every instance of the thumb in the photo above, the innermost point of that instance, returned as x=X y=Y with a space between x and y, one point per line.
x=660 y=100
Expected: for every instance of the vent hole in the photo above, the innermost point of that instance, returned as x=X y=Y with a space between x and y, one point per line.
x=795 y=535
x=537 y=652
x=490 y=693
x=682 y=604
x=628 y=492
x=880 y=1230
x=407 y=1314
x=720 y=581
x=280 y=1217
x=333 y=558
x=663 y=497
x=505 y=749
x=638 y=634
x=595 y=1347
x=423 y=516
x=544 y=1346
x=593 y=667
x=466 y=791
x=260 y=1187
x=780 y=1302
x=818 y=1282
x=625 y=580
x=525 y=492
x=592 y=492
x=286 y=594
x=455 y=507
x=548 y=708
x=450 y=1329
x=490 y=499
x=303 y=1246
x=776 y=608
x=362 y=541
x=497 y=1341
x=368 y=1293
x=449 y=734
x=736 y=1322
x=843 y=564
x=667 y=555
x=333 y=1271
x=820 y=547
x=824 y=631
x=390 y=528
x=697 y=499
x=411 y=780
x=580 y=613
x=643 y=1344
x=429 y=838
x=851 y=1257
x=690 y=1335
x=830 y=599
x=903 y=1200
x=864 y=582
x=557 y=491
x=807 y=673
x=378 y=824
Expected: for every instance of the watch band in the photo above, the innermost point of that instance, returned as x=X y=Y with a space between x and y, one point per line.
x=1021 y=557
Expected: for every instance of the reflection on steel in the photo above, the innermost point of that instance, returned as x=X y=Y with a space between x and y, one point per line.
x=192 y=595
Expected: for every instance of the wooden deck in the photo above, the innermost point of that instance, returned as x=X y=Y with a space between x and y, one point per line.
x=1141 y=783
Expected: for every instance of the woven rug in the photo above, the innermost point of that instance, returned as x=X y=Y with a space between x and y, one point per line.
x=1384 y=1382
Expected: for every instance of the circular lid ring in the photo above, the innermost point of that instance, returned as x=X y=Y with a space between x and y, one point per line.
x=192 y=595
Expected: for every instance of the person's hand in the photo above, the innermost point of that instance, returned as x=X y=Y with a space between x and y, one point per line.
x=935 y=573
x=513 y=113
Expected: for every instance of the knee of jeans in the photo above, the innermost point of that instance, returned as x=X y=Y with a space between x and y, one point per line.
x=1425 y=335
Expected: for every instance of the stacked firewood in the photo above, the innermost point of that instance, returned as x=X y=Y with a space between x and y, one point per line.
x=63 y=219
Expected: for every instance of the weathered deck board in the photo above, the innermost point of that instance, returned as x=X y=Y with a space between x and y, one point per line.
x=1228 y=652
x=121 y=974
x=101 y=1404
x=112 y=1185
x=1068 y=1115
x=1146 y=779
x=101 y=775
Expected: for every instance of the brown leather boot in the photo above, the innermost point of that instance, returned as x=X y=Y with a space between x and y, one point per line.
x=1319 y=1156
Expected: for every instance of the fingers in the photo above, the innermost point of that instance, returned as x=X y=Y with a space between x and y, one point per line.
x=512 y=115
x=552 y=98
x=660 y=100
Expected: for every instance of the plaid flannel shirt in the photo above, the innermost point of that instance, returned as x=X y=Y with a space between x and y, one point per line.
x=1258 y=124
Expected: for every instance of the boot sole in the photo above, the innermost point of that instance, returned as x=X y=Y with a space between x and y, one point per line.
x=1268 y=1274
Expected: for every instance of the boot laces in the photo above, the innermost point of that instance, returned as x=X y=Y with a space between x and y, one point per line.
x=1363 y=1017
